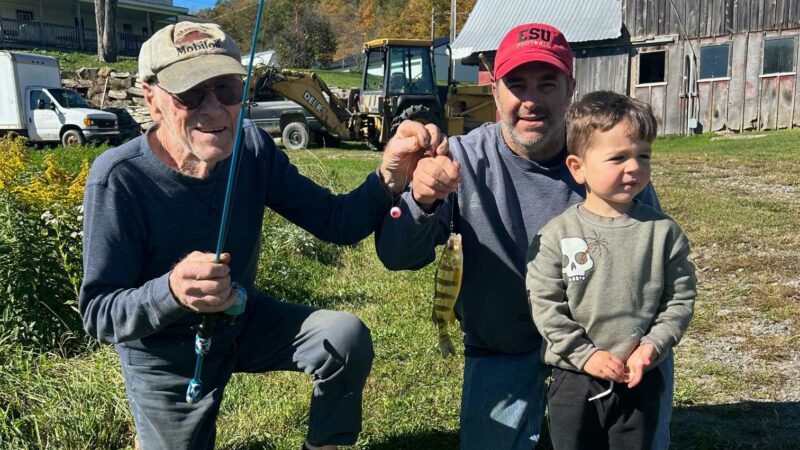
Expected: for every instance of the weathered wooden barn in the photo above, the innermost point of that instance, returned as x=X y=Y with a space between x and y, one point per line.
x=703 y=65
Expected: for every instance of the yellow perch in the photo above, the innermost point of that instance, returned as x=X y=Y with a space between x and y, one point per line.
x=447 y=284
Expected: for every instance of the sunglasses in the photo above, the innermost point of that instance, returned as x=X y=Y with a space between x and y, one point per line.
x=227 y=91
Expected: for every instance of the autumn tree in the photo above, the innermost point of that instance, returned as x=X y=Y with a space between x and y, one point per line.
x=300 y=35
x=414 y=20
x=106 y=14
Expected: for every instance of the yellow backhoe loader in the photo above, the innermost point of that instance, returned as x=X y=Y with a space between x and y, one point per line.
x=397 y=83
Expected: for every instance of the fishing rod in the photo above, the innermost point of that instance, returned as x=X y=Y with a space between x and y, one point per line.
x=202 y=341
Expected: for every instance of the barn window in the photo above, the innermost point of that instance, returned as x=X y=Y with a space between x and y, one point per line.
x=714 y=61
x=652 y=67
x=778 y=55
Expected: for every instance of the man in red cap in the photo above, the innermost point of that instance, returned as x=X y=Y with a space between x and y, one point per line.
x=500 y=184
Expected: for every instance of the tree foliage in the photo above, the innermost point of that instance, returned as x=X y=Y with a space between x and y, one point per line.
x=308 y=33
x=301 y=35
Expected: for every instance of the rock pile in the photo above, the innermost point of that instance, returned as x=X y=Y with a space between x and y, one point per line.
x=115 y=91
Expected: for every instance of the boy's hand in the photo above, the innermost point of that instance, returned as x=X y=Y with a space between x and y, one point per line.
x=639 y=359
x=605 y=365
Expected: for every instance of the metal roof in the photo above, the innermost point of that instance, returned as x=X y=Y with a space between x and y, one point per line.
x=579 y=20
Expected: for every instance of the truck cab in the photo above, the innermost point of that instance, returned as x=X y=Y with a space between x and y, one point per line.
x=284 y=118
x=33 y=104
x=56 y=114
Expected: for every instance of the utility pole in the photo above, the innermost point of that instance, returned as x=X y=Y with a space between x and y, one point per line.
x=433 y=22
x=453 y=16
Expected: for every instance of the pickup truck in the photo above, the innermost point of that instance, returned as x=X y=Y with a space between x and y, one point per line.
x=284 y=118
x=33 y=104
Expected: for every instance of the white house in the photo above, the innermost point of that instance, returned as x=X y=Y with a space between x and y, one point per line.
x=70 y=24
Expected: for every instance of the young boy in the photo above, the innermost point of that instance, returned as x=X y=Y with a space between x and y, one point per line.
x=609 y=282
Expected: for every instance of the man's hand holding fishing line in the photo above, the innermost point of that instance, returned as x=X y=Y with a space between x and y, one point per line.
x=202 y=285
x=416 y=145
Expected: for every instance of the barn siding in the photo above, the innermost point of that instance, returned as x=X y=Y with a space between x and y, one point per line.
x=786 y=90
x=709 y=18
x=744 y=100
x=737 y=85
x=796 y=108
x=601 y=69
x=769 y=103
x=674 y=117
x=752 y=81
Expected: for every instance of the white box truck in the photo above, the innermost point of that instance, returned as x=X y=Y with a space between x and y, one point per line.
x=33 y=104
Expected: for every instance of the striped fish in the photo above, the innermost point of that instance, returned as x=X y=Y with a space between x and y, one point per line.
x=447 y=284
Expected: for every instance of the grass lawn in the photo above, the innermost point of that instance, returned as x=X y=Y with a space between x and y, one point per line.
x=736 y=371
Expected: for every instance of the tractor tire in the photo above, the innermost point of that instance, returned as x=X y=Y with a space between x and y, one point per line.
x=295 y=136
x=419 y=113
x=72 y=138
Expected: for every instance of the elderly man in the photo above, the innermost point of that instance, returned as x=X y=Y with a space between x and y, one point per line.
x=152 y=214
x=503 y=183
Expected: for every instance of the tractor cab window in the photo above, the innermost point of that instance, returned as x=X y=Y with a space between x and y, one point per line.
x=373 y=81
x=410 y=71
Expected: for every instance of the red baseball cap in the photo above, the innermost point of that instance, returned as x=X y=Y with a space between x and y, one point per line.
x=532 y=42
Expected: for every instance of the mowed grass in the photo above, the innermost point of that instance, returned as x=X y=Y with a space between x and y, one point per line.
x=735 y=371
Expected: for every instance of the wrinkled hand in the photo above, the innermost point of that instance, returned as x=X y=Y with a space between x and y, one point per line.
x=639 y=359
x=202 y=285
x=605 y=365
x=412 y=141
x=434 y=179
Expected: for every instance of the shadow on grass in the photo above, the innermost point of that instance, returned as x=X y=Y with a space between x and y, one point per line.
x=737 y=426
x=426 y=440
x=251 y=443
x=352 y=145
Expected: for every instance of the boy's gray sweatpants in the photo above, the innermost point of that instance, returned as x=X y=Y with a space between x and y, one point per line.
x=334 y=347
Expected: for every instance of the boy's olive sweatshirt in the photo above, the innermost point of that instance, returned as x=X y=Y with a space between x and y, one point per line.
x=602 y=283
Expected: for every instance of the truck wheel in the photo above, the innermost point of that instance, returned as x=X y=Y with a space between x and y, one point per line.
x=72 y=138
x=295 y=136
x=419 y=113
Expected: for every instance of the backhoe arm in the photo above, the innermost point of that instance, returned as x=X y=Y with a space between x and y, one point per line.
x=310 y=92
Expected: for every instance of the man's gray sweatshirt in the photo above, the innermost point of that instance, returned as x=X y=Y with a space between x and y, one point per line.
x=502 y=202
x=141 y=218
x=609 y=283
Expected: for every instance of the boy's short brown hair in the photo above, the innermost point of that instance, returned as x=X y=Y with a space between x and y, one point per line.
x=603 y=110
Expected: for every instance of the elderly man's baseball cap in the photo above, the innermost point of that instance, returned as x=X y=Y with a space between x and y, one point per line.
x=186 y=54
x=532 y=42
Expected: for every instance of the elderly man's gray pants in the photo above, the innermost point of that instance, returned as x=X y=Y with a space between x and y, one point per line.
x=334 y=347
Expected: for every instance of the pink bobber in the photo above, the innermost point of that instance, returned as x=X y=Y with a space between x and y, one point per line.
x=395 y=212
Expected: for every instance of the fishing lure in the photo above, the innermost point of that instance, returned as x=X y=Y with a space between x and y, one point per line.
x=447 y=284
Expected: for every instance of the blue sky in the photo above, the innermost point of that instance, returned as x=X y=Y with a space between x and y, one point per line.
x=194 y=5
